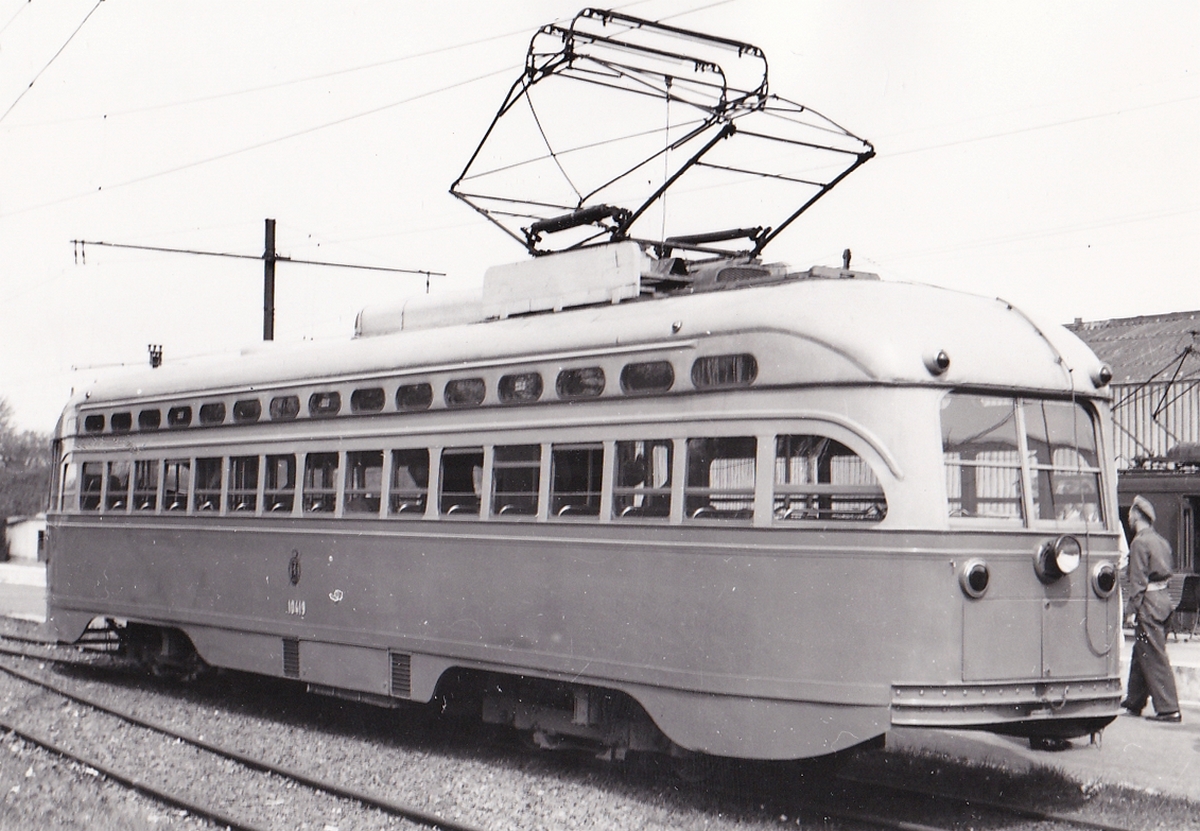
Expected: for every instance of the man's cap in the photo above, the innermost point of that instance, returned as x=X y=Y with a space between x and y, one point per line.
x=1143 y=505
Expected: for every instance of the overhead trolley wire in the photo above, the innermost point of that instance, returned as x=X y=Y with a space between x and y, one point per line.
x=52 y=59
x=16 y=14
x=1036 y=127
x=291 y=82
x=259 y=145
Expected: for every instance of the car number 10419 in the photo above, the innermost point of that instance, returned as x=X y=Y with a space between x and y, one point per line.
x=296 y=607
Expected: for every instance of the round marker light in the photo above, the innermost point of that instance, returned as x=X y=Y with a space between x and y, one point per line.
x=1102 y=376
x=1104 y=579
x=937 y=363
x=1058 y=558
x=974 y=578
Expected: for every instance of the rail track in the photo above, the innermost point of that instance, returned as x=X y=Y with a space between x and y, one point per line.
x=147 y=784
x=811 y=803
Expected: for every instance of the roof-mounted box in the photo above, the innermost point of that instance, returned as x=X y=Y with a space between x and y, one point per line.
x=582 y=277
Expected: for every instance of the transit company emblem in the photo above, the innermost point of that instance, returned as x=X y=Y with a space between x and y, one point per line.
x=294 y=568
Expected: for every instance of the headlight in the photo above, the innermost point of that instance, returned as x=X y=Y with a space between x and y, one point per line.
x=1057 y=558
x=974 y=578
x=1104 y=579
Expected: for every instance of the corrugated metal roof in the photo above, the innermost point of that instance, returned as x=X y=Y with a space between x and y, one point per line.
x=1143 y=348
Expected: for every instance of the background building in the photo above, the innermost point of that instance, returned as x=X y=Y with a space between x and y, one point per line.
x=1155 y=361
x=24 y=538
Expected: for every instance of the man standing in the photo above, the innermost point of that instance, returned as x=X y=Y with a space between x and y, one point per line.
x=1150 y=674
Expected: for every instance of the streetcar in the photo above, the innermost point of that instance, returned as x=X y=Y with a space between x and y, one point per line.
x=643 y=491
x=719 y=520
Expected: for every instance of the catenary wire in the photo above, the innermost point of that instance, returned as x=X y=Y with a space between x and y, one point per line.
x=24 y=5
x=258 y=146
x=52 y=59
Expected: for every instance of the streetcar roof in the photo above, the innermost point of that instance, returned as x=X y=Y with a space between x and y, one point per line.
x=801 y=332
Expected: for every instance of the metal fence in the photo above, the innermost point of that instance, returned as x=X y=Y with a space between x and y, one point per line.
x=1150 y=419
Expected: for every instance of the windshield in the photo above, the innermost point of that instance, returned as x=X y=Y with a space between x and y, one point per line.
x=1021 y=460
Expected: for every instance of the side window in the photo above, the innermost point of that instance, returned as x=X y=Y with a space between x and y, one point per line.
x=247 y=410
x=320 y=483
x=414 y=396
x=465 y=392
x=243 y=483
x=69 y=491
x=177 y=480
x=982 y=457
x=648 y=376
x=410 y=482
x=364 y=481
x=324 y=404
x=118 y=487
x=212 y=413
x=208 y=484
x=720 y=478
x=279 y=484
x=642 y=486
x=516 y=474
x=724 y=371
x=819 y=478
x=580 y=382
x=461 y=482
x=576 y=473
x=284 y=407
x=145 y=485
x=91 y=482
x=367 y=400
x=525 y=386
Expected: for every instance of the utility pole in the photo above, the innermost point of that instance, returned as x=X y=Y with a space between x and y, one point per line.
x=269 y=258
x=269 y=282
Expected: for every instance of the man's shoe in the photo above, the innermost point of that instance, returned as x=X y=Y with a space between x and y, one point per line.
x=1172 y=718
x=1128 y=709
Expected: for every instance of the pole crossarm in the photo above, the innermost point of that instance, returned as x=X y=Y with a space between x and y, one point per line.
x=260 y=257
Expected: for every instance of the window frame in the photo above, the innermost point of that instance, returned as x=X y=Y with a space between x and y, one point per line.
x=1029 y=472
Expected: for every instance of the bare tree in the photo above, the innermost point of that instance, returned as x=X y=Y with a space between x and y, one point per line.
x=25 y=465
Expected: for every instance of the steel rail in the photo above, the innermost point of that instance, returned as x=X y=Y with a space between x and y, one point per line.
x=130 y=780
x=333 y=788
x=1035 y=814
x=415 y=815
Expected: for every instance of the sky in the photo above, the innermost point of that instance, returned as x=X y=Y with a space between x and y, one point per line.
x=1042 y=152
